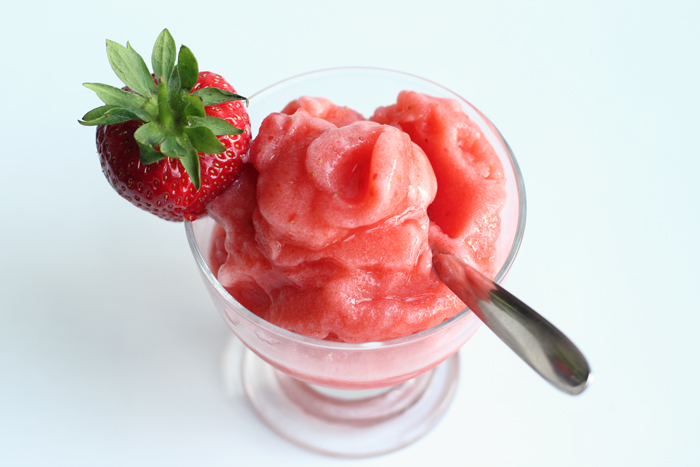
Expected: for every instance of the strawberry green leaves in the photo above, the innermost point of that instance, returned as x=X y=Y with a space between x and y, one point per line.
x=163 y=56
x=213 y=96
x=115 y=96
x=130 y=68
x=110 y=114
x=217 y=125
x=187 y=68
x=150 y=134
x=175 y=121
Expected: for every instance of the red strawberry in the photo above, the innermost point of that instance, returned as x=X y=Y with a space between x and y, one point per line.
x=172 y=141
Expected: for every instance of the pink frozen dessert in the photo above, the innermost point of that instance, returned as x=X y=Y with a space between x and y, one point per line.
x=328 y=231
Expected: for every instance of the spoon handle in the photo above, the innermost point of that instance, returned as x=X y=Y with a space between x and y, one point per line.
x=541 y=345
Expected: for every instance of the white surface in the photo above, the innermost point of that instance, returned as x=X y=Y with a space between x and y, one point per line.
x=110 y=350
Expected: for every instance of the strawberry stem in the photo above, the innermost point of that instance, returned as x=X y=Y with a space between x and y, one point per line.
x=165 y=113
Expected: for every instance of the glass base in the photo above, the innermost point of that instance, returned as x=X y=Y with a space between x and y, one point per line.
x=349 y=423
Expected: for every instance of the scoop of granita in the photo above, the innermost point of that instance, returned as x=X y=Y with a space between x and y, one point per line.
x=328 y=231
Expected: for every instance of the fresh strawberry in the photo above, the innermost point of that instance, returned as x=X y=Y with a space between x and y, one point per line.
x=171 y=141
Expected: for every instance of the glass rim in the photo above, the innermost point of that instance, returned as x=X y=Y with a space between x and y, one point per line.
x=399 y=341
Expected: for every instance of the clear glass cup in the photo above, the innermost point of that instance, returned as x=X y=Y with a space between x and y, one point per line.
x=350 y=399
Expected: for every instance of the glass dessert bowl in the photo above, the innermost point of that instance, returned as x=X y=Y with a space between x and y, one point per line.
x=356 y=399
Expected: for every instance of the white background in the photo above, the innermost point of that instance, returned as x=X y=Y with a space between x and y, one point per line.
x=110 y=350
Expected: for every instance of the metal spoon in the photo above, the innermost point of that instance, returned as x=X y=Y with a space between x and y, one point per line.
x=542 y=346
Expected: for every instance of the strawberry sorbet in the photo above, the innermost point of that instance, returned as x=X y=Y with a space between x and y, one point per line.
x=328 y=230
